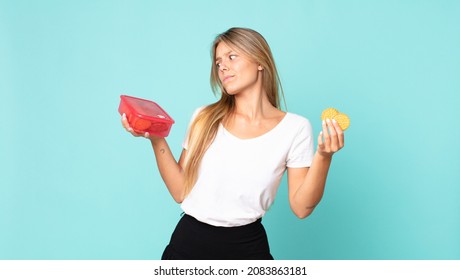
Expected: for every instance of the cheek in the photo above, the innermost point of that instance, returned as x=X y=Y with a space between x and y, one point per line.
x=220 y=75
x=250 y=73
x=247 y=68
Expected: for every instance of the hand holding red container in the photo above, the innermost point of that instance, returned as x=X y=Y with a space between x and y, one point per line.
x=143 y=117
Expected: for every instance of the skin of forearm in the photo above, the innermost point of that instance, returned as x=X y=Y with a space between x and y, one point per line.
x=170 y=170
x=310 y=192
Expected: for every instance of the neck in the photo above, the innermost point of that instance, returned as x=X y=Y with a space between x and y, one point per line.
x=252 y=105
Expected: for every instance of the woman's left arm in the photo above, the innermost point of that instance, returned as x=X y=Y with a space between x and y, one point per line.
x=306 y=185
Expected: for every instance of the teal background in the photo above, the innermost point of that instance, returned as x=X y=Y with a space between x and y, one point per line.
x=75 y=185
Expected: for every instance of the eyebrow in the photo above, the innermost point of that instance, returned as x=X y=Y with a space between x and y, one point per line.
x=225 y=54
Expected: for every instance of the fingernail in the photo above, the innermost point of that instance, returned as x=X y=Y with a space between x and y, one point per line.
x=328 y=120
x=323 y=122
x=334 y=121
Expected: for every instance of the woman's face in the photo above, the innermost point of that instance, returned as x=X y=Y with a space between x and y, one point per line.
x=237 y=72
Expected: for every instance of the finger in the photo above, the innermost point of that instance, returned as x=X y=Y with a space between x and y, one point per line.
x=340 y=134
x=331 y=124
x=127 y=126
x=124 y=121
x=327 y=139
x=320 y=139
x=134 y=133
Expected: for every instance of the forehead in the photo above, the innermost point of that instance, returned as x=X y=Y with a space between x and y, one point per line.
x=222 y=49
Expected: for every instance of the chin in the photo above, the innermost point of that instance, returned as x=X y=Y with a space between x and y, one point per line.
x=231 y=92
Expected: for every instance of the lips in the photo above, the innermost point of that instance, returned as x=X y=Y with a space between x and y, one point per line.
x=227 y=78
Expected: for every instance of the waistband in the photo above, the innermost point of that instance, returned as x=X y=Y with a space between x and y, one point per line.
x=189 y=218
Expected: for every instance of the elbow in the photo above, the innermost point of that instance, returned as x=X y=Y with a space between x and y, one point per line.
x=303 y=213
x=177 y=193
x=178 y=200
x=301 y=209
x=177 y=196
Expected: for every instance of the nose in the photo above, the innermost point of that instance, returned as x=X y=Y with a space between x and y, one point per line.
x=223 y=66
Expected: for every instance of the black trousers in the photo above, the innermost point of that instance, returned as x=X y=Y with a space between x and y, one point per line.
x=194 y=240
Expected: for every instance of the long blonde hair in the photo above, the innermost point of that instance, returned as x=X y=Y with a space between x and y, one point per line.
x=204 y=127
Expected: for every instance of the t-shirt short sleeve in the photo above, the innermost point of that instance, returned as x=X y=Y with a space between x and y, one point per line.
x=301 y=152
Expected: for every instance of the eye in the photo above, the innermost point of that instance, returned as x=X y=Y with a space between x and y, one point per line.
x=218 y=65
x=232 y=56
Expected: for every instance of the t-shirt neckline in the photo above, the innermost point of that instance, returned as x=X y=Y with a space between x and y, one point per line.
x=276 y=127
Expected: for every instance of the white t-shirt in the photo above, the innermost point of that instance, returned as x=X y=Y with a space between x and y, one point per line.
x=238 y=178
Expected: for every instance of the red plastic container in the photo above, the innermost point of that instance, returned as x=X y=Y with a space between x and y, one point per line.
x=145 y=116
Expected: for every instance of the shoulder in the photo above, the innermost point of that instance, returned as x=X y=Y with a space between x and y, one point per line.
x=295 y=120
x=204 y=109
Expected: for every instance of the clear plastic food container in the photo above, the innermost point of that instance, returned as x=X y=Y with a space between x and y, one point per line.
x=145 y=116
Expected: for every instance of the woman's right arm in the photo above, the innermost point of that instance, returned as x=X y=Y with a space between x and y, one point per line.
x=171 y=171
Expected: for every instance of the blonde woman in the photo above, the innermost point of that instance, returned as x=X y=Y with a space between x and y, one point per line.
x=235 y=153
